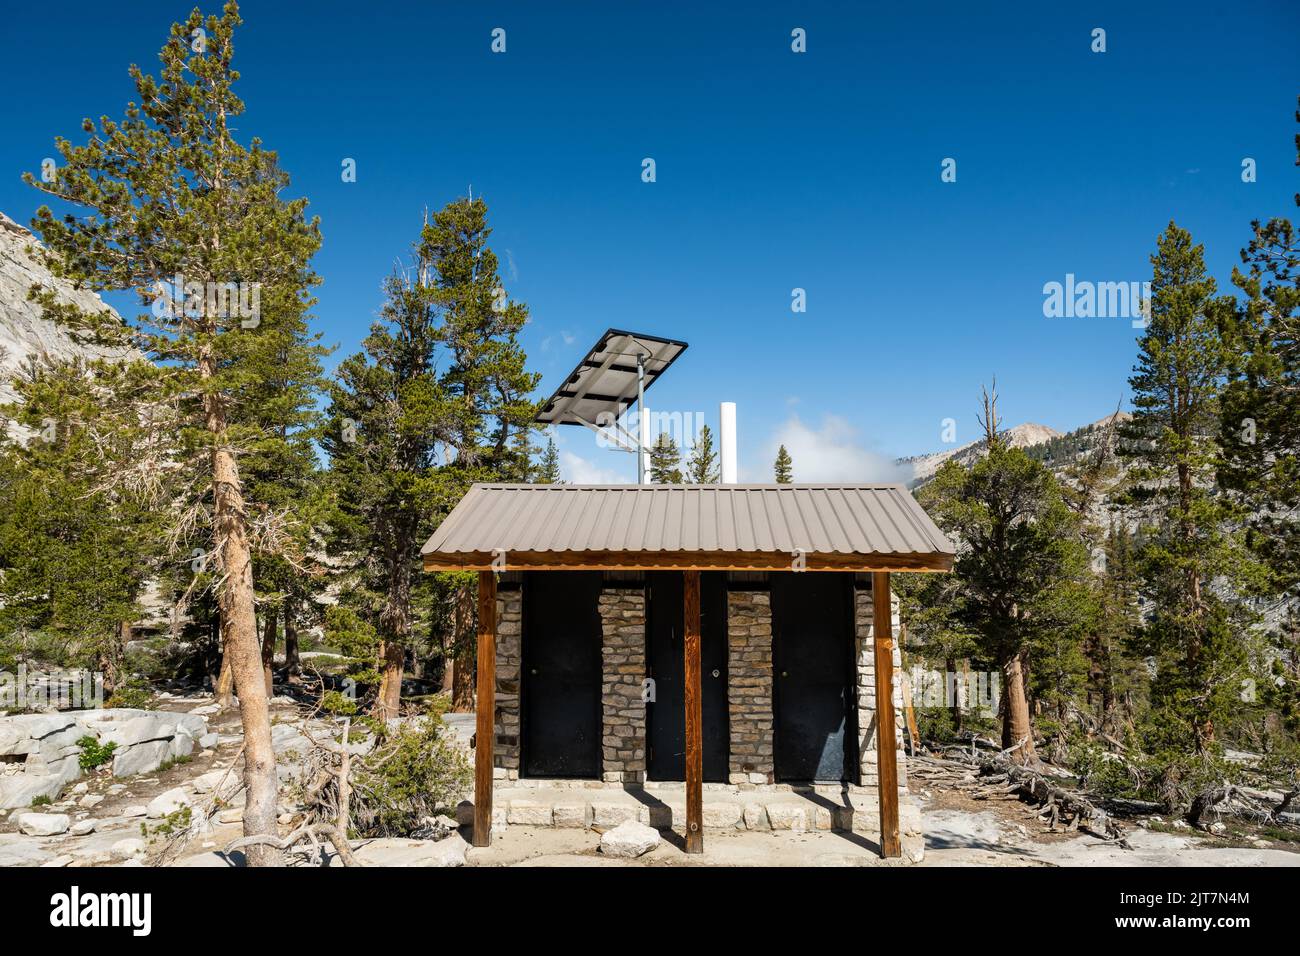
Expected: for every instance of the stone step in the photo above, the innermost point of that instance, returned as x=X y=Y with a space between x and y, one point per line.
x=573 y=808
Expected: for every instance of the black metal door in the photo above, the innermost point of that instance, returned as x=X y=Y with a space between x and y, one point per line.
x=666 y=715
x=560 y=687
x=812 y=665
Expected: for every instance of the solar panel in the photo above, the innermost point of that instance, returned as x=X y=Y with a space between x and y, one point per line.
x=605 y=380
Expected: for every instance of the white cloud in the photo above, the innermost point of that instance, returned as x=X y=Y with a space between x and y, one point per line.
x=579 y=471
x=832 y=452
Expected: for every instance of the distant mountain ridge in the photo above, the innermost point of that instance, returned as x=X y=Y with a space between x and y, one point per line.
x=1042 y=442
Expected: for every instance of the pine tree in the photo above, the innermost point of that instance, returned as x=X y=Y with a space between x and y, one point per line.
x=1259 y=429
x=282 y=475
x=486 y=376
x=388 y=414
x=181 y=212
x=1172 y=438
x=436 y=401
x=1117 y=675
x=549 y=470
x=926 y=604
x=1018 y=567
x=486 y=379
x=784 y=467
x=702 y=466
x=1107 y=608
x=665 y=461
x=75 y=548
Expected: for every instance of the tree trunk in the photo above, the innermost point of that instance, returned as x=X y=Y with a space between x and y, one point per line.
x=448 y=668
x=243 y=653
x=239 y=629
x=1015 y=712
x=393 y=660
x=395 y=625
x=958 y=704
x=226 y=679
x=111 y=658
x=466 y=651
x=268 y=649
x=292 y=663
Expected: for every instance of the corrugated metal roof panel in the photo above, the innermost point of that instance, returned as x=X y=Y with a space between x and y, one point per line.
x=718 y=519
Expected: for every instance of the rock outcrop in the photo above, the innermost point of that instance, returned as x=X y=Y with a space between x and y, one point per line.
x=24 y=332
x=48 y=744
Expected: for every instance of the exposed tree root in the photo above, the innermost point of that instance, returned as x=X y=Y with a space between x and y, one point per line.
x=987 y=777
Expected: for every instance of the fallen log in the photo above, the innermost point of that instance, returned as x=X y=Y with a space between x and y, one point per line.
x=1056 y=803
x=1227 y=800
x=997 y=777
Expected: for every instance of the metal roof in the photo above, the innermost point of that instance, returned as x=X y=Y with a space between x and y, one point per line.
x=829 y=527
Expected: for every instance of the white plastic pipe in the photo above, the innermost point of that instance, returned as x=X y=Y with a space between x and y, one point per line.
x=727 y=441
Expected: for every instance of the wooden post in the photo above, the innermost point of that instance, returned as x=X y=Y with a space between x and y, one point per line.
x=886 y=735
x=485 y=709
x=694 y=715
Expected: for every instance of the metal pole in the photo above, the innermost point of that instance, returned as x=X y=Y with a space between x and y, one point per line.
x=642 y=438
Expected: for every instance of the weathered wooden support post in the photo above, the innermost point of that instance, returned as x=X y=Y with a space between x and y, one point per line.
x=886 y=736
x=485 y=709
x=694 y=715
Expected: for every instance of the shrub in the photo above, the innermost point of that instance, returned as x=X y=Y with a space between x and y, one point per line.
x=93 y=753
x=135 y=693
x=338 y=703
x=415 y=771
x=178 y=821
x=41 y=801
x=1104 y=773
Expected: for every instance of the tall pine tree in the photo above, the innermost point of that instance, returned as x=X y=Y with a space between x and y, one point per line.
x=486 y=378
x=1260 y=434
x=1172 y=441
x=177 y=209
x=388 y=415
x=1018 y=568
x=436 y=401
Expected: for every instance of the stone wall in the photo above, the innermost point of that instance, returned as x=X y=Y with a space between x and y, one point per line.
x=623 y=671
x=510 y=617
x=866 y=679
x=749 y=690
x=749 y=686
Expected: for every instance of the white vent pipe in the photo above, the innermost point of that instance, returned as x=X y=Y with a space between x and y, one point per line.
x=727 y=441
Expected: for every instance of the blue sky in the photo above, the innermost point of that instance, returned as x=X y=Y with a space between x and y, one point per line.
x=775 y=171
